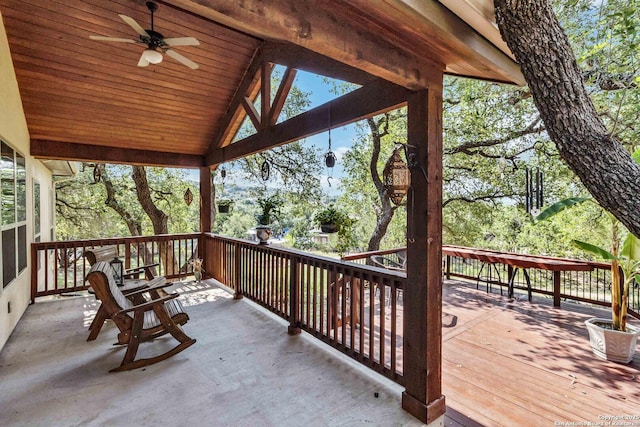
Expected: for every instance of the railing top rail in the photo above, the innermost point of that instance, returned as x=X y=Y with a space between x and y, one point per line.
x=361 y=255
x=543 y=262
x=113 y=240
x=518 y=260
x=510 y=258
x=312 y=258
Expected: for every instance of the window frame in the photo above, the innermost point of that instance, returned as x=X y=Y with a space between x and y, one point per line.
x=19 y=234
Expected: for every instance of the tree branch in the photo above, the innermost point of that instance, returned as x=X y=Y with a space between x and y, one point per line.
x=467 y=147
x=484 y=198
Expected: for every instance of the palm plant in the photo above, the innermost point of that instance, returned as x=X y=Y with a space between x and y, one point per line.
x=625 y=261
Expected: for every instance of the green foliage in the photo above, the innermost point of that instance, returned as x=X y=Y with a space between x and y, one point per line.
x=331 y=215
x=81 y=212
x=237 y=222
x=596 y=250
x=269 y=209
x=346 y=237
x=560 y=206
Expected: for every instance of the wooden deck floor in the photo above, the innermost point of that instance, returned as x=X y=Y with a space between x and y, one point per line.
x=528 y=364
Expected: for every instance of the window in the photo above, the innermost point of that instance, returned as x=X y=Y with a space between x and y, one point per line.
x=13 y=211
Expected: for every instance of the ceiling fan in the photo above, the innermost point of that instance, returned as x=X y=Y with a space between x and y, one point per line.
x=156 y=43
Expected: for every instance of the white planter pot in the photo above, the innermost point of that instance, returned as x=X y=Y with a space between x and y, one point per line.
x=608 y=344
x=263 y=233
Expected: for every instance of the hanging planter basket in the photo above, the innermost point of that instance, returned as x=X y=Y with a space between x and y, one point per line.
x=225 y=206
x=329 y=228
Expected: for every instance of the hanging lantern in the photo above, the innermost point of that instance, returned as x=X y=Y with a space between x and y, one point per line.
x=188 y=196
x=265 y=170
x=118 y=270
x=397 y=177
x=223 y=174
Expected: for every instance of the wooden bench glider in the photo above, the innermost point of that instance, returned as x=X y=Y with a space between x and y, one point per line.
x=141 y=320
x=107 y=253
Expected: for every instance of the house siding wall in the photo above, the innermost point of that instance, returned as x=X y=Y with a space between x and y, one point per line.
x=13 y=130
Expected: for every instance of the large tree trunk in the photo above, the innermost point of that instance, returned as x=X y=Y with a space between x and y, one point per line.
x=159 y=219
x=134 y=225
x=532 y=32
x=385 y=210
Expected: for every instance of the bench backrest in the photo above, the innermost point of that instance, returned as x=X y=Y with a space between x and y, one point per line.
x=101 y=279
x=101 y=253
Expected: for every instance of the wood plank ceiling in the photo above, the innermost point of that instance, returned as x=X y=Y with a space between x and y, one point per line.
x=87 y=99
x=83 y=91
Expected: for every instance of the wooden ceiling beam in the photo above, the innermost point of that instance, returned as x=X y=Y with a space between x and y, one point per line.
x=374 y=98
x=251 y=111
x=281 y=95
x=320 y=27
x=248 y=88
x=265 y=94
x=293 y=56
x=44 y=149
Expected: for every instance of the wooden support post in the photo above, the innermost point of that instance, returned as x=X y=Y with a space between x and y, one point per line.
x=294 y=297
x=556 y=288
x=448 y=267
x=34 y=272
x=127 y=255
x=423 y=294
x=206 y=210
x=206 y=201
x=237 y=263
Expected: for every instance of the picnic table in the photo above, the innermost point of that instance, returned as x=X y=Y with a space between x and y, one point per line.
x=519 y=262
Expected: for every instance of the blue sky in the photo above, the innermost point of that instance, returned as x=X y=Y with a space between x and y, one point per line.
x=341 y=138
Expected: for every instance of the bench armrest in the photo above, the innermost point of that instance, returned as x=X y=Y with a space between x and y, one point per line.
x=139 y=270
x=147 y=305
x=159 y=282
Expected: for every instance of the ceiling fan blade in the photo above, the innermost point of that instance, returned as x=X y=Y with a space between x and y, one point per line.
x=133 y=24
x=112 y=39
x=143 y=62
x=181 y=59
x=182 y=41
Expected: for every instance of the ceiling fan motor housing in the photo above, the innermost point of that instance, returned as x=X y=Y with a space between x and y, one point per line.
x=155 y=39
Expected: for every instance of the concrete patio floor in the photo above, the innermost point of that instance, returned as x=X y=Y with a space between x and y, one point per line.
x=244 y=370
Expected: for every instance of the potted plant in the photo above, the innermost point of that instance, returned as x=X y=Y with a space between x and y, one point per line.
x=330 y=219
x=610 y=339
x=225 y=205
x=613 y=339
x=269 y=211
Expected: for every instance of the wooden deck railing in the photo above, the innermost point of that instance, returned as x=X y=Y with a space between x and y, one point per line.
x=353 y=308
x=60 y=267
x=591 y=284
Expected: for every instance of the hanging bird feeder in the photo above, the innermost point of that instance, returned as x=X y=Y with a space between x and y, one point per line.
x=397 y=177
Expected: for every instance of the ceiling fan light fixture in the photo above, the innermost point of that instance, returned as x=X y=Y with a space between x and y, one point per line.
x=152 y=56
